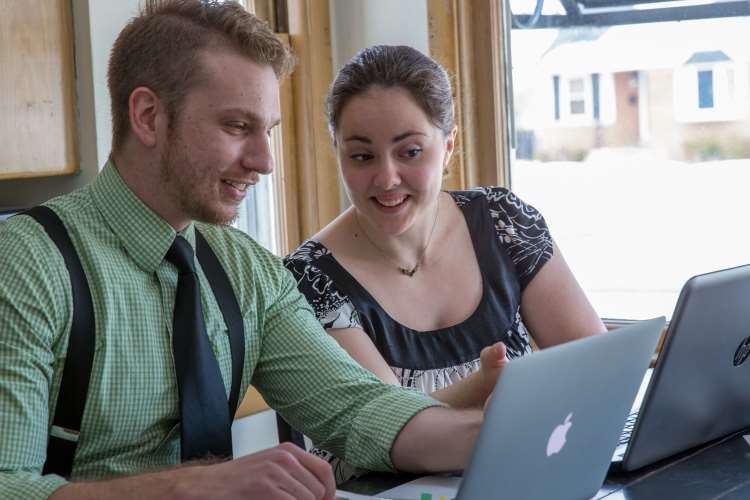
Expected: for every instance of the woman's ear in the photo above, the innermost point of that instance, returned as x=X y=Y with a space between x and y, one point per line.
x=450 y=144
x=144 y=108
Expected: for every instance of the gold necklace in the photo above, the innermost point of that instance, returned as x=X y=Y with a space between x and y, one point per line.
x=403 y=270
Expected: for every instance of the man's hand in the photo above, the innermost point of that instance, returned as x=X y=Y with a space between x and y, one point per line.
x=284 y=472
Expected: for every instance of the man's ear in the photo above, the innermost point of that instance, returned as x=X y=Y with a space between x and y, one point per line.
x=144 y=108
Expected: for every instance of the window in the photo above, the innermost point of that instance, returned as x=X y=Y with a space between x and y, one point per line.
x=576 y=96
x=705 y=89
x=262 y=214
x=579 y=102
x=269 y=212
x=708 y=87
x=257 y=215
x=631 y=123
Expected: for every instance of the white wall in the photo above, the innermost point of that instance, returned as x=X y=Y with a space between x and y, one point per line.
x=254 y=433
x=106 y=19
x=356 y=24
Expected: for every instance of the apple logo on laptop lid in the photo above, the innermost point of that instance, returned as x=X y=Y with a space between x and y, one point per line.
x=557 y=439
x=742 y=352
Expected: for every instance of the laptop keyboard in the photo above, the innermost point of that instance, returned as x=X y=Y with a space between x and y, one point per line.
x=627 y=430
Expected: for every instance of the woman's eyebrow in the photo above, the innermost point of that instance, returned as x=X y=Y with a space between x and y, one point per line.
x=406 y=134
x=399 y=137
x=359 y=138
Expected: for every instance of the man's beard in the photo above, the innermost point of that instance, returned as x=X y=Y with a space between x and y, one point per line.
x=183 y=181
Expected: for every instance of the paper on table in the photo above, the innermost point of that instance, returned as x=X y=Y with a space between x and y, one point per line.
x=427 y=487
x=345 y=495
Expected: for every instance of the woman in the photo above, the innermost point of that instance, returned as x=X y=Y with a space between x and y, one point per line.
x=425 y=288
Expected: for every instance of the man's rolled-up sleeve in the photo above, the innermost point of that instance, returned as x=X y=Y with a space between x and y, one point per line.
x=313 y=383
x=32 y=315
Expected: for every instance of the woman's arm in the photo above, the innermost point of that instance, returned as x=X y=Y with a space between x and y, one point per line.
x=472 y=391
x=555 y=308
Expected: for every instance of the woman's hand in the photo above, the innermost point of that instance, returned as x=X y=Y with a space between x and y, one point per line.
x=474 y=390
x=492 y=360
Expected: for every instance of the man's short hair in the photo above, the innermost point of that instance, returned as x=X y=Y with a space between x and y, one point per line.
x=160 y=48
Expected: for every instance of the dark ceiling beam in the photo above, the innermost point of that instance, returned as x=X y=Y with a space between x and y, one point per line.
x=594 y=4
x=572 y=10
x=717 y=10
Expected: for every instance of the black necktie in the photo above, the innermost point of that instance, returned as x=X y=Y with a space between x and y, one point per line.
x=205 y=428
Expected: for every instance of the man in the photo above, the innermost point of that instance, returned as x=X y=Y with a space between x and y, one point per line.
x=194 y=89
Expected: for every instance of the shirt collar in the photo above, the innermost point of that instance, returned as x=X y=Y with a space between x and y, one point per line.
x=145 y=236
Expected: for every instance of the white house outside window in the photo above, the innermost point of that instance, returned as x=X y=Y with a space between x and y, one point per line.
x=655 y=191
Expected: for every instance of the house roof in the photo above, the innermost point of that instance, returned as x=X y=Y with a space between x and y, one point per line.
x=709 y=56
x=647 y=46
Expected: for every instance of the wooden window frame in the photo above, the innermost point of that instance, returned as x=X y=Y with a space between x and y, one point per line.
x=318 y=195
x=307 y=187
x=467 y=38
x=308 y=195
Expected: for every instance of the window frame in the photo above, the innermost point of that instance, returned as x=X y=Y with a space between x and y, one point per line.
x=584 y=95
x=309 y=37
x=467 y=39
x=301 y=145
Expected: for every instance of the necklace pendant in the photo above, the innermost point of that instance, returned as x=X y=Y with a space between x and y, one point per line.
x=409 y=272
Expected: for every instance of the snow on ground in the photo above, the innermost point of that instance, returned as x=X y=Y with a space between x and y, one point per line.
x=634 y=229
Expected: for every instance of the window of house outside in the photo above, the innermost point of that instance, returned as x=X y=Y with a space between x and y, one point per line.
x=633 y=140
x=583 y=100
x=578 y=95
x=711 y=87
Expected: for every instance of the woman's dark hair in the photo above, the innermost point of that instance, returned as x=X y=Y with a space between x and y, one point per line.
x=393 y=66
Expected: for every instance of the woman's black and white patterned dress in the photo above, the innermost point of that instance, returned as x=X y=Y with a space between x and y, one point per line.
x=512 y=243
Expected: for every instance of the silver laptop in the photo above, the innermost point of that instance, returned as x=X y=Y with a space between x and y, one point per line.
x=556 y=415
x=700 y=387
x=553 y=422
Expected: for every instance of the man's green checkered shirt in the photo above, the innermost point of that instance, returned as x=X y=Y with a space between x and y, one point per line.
x=131 y=419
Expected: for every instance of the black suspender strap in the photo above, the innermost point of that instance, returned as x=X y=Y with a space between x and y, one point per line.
x=71 y=400
x=230 y=309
